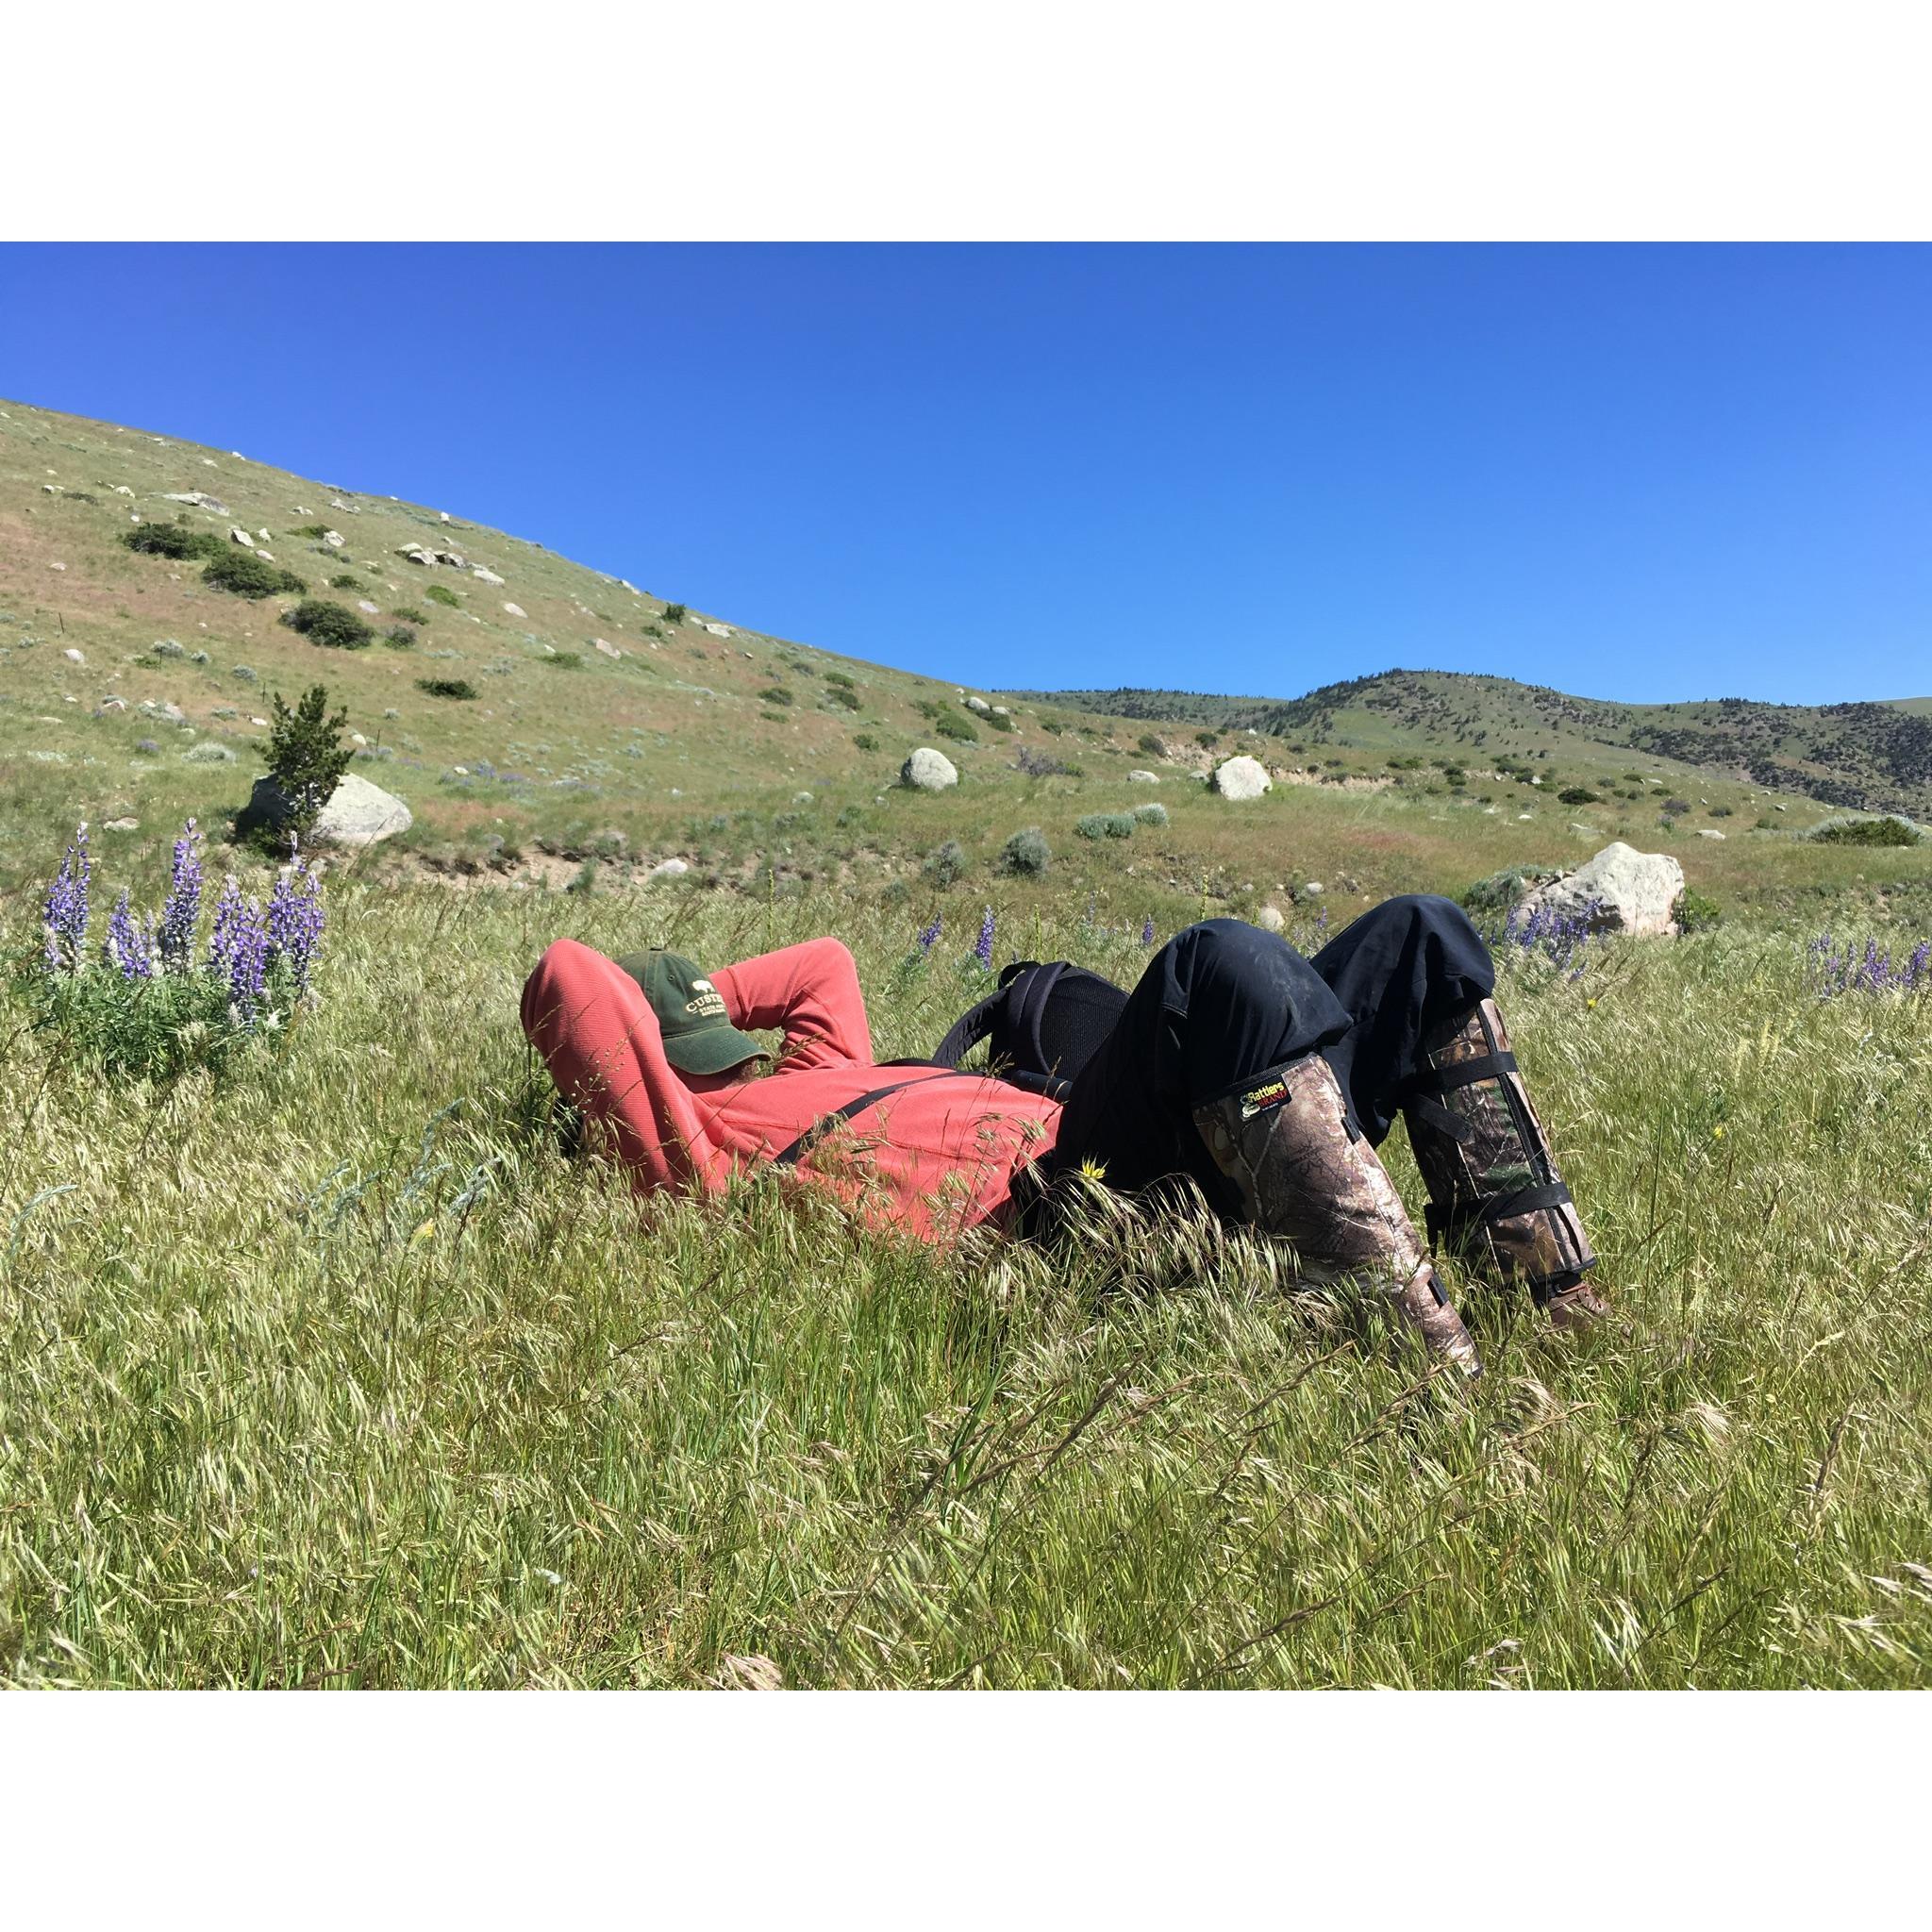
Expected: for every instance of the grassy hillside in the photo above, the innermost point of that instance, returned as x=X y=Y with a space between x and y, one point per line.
x=701 y=746
x=341 y=1370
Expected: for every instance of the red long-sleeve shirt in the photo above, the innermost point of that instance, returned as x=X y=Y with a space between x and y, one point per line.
x=936 y=1158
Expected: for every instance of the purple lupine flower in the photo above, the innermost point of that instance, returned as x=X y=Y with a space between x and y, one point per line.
x=982 y=947
x=1915 y=966
x=126 y=946
x=66 y=913
x=248 y=960
x=1147 y=930
x=181 y=912
x=930 y=935
x=225 y=935
x=295 y=922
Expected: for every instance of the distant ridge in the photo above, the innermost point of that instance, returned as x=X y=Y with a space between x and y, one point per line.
x=1865 y=755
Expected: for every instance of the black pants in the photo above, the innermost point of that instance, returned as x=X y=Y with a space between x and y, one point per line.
x=1224 y=1000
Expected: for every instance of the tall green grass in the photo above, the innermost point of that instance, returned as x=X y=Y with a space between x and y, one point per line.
x=339 y=1373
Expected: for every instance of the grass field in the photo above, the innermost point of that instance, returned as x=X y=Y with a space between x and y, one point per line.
x=339 y=1371
x=342 y=1373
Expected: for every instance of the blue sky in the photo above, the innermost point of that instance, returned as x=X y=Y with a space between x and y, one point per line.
x=1631 y=472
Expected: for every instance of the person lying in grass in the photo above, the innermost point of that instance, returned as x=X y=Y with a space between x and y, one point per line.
x=1266 y=1078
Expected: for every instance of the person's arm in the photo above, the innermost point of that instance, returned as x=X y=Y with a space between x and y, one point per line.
x=600 y=1039
x=810 y=992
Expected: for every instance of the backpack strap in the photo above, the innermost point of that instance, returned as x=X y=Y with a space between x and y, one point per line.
x=788 y=1156
x=968 y=1030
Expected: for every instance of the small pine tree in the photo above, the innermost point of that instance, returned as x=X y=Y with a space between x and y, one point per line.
x=305 y=757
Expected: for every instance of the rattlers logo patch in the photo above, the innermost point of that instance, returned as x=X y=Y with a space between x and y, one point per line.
x=1271 y=1094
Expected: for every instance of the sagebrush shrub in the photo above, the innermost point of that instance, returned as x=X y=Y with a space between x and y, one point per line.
x=1151 y=814
x=945 y=864
x=950 y=725
x=244 y=575
x=442 y=594
x=333 y=624
x=446 y=687
x=1025 y=854
x=174 y=540
x=1106 y=824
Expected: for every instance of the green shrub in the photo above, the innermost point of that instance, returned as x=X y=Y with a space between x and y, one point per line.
x=306 y=759
x=446 y=687
x=314 y=532
x=1053 y=726
x=950 y=725
x=1695 y=912
x=1025 y=854
x=1106 y=824
x=865 y=740
x=776 y=694
x=1207 y=740
x=442 y=594
x=837 y=677
x=1504 y=889
x=410 y=614
x=1151 y=745
x=345 y=580
x=1151 y=814
x=566 y=661
x=244 y=575
x=1000 y=721
x=333 y=624
x=1894 y=828
x=1578 y=795
x=675 y=613
x=1675 y=807
x=399 y=636
x=174 y=540
x=945 y=864
x=842 y=694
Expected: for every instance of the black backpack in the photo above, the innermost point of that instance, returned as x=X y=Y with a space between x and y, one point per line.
x=1043 y=1025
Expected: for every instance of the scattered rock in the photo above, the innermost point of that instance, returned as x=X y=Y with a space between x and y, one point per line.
x=368 y=610
x=111 y=703
x=57 y=566
x=606 y=647
x=122 y=826
x=1001 y=711
x=515 y=611
x=73 y=656
x=1242 y=778
x=356 y=738
x=669 y=869
x=1708 y=832
x=979 y=704
x=928 y=770
x=238 y=535
x=200 y=499
x=122 y=490
x=333 y=540
x=358 y=812
x=485 y=577
x=1269 y=918
x=1311 y=890
x=1633 y=891
x=717 y=631
x=1142 y=778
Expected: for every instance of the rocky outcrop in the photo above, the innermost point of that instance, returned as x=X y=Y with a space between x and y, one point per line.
x=1620 y=890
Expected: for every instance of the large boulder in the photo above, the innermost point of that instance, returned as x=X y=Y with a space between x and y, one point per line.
x=1242 y=778
x=358 y=812
x=1621 y=889
x=928 y=770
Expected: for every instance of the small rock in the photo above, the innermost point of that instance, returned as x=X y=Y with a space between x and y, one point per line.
x=122 y=490
x=1311 y=890
x=1708 y=832
x=357 y=738
x=333 y=540
x=444 y=514
x=57 y=566
x=801 y=798
x=261 y=722
x=1269 y=918
x=1142 y=778
x=607 y=648
x=122 y=826
x=484 y=577
x=364 y=604
x=717 y=631
x=238 y=535
x=515 y=611
x=111 y=703
x=979 y=704
x=669 y=869
x=73 y=656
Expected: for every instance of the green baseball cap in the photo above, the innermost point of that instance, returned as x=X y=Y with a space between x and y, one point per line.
x=698 y=1036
